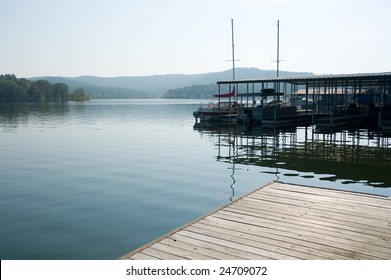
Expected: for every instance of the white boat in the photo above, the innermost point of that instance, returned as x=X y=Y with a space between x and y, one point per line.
x=220 y=111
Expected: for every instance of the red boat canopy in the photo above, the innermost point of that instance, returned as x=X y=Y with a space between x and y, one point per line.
x=226 y=95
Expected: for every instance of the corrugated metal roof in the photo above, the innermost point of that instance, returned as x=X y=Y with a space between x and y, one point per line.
x=319 y=80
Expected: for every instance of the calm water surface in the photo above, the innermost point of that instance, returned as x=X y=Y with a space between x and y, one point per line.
x=96 y=180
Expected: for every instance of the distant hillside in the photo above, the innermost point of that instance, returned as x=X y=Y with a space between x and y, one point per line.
x=192 y=92
x=205 y=89
x=97 y=91
x=159 y=84
x=200 y=85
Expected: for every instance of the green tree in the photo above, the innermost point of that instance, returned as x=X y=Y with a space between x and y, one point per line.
x=41 y=90
x=11 y=91
x=35 y=94
x=60 y=92
x=25 y=86
x=79 y=95
x=12 y=88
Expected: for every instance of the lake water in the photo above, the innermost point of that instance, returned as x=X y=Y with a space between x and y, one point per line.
x=99 y=179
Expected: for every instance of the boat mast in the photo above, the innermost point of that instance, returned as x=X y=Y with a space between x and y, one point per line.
x=233 y=50
x=278 y=46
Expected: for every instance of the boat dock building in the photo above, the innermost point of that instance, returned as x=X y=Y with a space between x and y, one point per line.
x=325 y=100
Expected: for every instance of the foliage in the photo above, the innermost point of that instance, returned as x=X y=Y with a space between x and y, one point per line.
x=172 y=86
x=156 y=85
x=96 y=91
x=206 y=86
x=194 y=91
x=13 y=89
x=79 y=95
x=60 y=92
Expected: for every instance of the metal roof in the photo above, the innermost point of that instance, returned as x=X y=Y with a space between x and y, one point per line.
x=363 y=79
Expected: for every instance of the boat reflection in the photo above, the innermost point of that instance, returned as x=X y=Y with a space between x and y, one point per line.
x=357 y=156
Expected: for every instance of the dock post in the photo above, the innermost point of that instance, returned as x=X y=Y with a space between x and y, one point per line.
x=331 y=119
x=313 y=116
x=275 y=114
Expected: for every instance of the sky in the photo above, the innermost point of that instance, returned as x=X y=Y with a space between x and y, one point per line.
x=111 y=38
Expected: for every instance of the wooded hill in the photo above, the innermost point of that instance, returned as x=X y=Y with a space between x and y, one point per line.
x=161 y=86
x=13 y=89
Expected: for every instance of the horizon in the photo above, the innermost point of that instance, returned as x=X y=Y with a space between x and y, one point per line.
x=204 y=73
x=121 y=38
x=168 y=74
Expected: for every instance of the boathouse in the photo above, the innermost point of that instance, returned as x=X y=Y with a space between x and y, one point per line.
x=324 y=100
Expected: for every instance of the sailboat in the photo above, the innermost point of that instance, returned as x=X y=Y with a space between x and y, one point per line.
x=222 y=110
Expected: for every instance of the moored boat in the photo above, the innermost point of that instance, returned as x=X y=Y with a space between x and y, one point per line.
x=220 y=111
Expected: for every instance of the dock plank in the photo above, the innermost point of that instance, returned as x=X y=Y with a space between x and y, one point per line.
x=311 y=201
x=314 y=227
x=142 y=256
x=235 y=241
x=178 y=251
x=288 y=238
x=312 y=233
x=214 y=250
x=330 y=214
x=284 y=249
x=283 y=221
x=335 y=206
x=369 y=232
x=347 y=196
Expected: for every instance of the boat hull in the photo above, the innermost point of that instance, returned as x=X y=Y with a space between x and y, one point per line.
x=215 y=116
x=226 y=111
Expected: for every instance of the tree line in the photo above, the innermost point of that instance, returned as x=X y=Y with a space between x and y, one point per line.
x=194 y=91
x=13 y=89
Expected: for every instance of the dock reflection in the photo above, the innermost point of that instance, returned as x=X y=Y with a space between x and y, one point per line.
x=356 y=156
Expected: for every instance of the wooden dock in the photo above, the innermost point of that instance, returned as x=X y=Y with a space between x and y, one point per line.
x=283 y=221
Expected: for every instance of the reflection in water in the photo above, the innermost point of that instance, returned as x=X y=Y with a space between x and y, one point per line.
x=231 y=141
x=357 y=156
x=224 y=138
x=12 y=115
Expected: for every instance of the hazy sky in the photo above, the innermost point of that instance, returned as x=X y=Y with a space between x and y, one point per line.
x=147 y=37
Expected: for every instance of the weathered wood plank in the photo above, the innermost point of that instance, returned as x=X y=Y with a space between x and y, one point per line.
x=142 y=256
x=177 y=251
x=260 y=241
x=161 y=254
x=303 y=236
x=223 y=252
x=309 y=219
x=317 y=227
x=353 y=209
x=334 y=218
x=287 y=238
x=370 y=247
x=204 y=254
x=336 y=196
x=331 y=213
x=314 y=201
x=261 y=254
x=369 y=199
x=283 y=221
x=268 y=250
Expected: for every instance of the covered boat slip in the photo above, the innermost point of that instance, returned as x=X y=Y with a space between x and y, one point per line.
x=283 y=221
x=328 y=98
